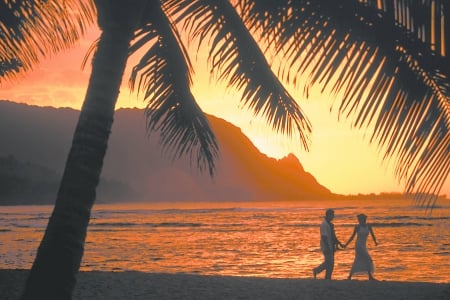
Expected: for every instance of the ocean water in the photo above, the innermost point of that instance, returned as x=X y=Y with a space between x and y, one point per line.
x=243 y=239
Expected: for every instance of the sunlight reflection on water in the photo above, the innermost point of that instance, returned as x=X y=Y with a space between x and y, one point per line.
x=244 y=239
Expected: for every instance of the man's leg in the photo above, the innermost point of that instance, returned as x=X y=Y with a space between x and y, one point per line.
x=321 y=267
x=329 y=261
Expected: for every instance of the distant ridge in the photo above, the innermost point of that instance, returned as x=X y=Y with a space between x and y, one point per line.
x=135 y=169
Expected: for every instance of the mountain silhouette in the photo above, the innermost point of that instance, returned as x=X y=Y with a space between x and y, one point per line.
x=137 y=169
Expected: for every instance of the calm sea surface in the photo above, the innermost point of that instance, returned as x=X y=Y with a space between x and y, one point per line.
x=242 y=239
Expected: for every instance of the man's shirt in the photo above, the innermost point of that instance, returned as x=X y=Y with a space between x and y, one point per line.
x=327 y=231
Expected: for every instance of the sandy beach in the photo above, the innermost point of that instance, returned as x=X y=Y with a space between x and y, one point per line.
x=137 y=285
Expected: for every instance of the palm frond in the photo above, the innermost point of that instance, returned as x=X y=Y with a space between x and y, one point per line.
x=236 y=56
x=390 y=69
x=164 y=74
x=32 y=29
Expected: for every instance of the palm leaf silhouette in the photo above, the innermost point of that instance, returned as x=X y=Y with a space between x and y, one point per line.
x=236 y=56
x=30 y=30
x=164 y=73
x=389 y=65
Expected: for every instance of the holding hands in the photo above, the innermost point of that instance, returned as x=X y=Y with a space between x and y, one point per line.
x=339 y=246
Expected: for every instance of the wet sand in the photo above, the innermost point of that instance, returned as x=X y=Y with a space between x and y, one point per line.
x=137 y=285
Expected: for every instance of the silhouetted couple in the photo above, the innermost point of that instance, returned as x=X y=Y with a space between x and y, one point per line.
x=329 y=244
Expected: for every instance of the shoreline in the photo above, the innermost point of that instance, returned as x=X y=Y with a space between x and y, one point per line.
x=133 y=285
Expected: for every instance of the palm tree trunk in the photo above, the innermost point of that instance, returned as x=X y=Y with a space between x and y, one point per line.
x=53 y=274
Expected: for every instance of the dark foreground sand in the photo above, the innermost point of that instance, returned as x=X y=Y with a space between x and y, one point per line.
x=136 y=285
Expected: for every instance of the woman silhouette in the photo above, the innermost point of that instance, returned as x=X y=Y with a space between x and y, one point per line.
x=363 y=262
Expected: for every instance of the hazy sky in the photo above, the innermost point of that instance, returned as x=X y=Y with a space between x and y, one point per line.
x=340 y=158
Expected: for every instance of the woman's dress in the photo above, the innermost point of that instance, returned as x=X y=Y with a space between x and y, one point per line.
x=363 y=262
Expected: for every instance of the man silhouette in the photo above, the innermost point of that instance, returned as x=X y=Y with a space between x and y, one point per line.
x=328 y=244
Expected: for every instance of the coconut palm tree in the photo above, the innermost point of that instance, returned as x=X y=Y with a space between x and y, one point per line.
x=59 y=255
x=341 y=45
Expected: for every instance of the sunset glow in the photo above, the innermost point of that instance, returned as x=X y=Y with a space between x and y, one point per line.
x=265 y=150
x=340 y=157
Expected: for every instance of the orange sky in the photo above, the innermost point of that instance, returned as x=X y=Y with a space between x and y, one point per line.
x=341 y=159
